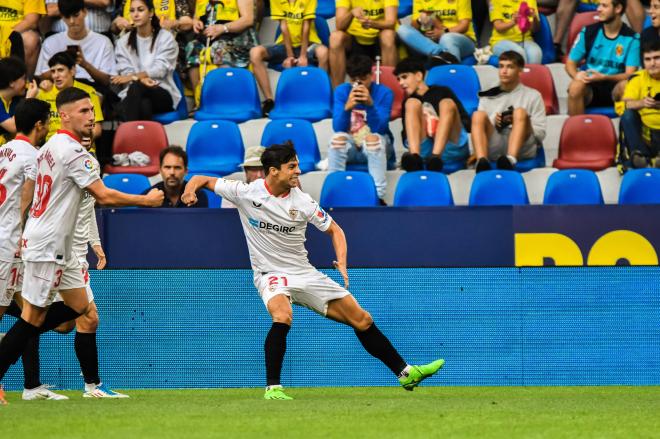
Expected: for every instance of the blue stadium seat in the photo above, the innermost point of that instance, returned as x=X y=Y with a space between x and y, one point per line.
x=181 y=110
x=543 y=38
x=498 y=188
x=573 y=186
x=214 y=147
x=129 y=183
x=405 y=8
x=640 y=186
x=528 y=165
x=648 y=22
x=325 y=9
x=303 y=93
x=349 y=189
x=463 y=80
x=605 y=111
x=301 y=133
x=585 y=7
x=423 y=188
x=229 y=94
x=215 y=200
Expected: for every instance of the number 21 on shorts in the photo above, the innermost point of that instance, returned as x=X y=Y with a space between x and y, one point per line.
x=277 y=281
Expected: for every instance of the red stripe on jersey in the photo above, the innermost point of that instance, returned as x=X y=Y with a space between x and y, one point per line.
x=284 y=195
x=70 y=134
x=23 y=138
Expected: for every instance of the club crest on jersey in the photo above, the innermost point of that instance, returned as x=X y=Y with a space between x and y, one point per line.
x=88 y=164
x=293 y=213
x=321 y=213
x=619 y=50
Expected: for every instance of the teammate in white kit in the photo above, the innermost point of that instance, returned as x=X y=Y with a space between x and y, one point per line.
x=64 y=170
x=274 y=214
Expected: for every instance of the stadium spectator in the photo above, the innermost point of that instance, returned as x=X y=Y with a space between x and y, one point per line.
x=507 y=32
x=297 y=46
x=227 y=29
x=360 y=120
x=651 y=33
x=146 y=58
x=173 y=170
x=252 y=167
x=21 y=18
x=610 y=50
x=434 y=121
x=12 y=87
x=510 y=122
x=440 y=26
x=640 y=122
x=479 y=15
x=364 y=27
x=63 y=74
x=98 y=18
x=94 y=53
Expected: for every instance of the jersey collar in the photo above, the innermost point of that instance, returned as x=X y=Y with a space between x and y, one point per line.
x=23 y=138
x=70 y=134
x=284 y=195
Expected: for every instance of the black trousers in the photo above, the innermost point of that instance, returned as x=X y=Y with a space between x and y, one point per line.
x=142 y=102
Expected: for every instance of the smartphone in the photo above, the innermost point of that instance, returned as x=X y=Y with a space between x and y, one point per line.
x=73 y=50
x=657 y=97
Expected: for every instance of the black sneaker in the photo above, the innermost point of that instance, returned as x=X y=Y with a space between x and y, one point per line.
x=504 y=163
x=638 y=160
x=411 y=162
x=483 y=165
x=434 y=163
x=381 y=202
x=267 y=107
x=559 y=53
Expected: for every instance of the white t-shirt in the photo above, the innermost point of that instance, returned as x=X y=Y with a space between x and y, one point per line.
x=96 y=48
x=86 y=230
x=18 y=163
x=64 y=169
x=274 y=227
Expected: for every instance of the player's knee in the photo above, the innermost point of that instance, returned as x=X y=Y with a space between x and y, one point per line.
x=282 y=316
x=364 y=322
x=89 y=322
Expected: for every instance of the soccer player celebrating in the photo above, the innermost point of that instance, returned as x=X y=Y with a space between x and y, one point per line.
x=274 y=213
x=64 y=170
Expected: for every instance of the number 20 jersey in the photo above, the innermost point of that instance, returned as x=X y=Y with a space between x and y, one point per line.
x=64 y=169
x=18 y=161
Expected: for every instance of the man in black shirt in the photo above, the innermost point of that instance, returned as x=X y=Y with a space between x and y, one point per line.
x=173 y=169
x=435 y=124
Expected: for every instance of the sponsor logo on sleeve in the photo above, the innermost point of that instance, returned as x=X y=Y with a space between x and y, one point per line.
x=89 y=165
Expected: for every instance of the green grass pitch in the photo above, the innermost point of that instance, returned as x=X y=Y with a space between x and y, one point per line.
x=375 y=412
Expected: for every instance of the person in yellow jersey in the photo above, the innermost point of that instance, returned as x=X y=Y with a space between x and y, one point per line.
x=507 y=34
x=298 y=44
x=63 y=70
x=229 y=26
x=12 y=89
x=364 y=27
x=440 y=26
x=22 y=17
x=640 y=122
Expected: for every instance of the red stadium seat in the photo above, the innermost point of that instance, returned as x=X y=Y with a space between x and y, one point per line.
x=144 y=136
x=537 y=76
x=388 y=79
x=579 y=21
x=587 y=141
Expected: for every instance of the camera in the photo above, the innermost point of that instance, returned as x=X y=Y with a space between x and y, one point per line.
x=356 y=84
x=505 y=119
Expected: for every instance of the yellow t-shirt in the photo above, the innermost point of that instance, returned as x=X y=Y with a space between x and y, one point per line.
x=449 y=11
x=375 y=9
x=50 y=97
x=504 y=10
x=640 y=86
x=164 y=9
x=225 y=10
x=294 y=14
x=12 y=12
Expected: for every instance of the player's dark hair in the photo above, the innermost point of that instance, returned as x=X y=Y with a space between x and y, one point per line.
x=70 y=7
x=29 y=112
x=409 y=65
x=651 y=46
x=68 y=95
x=174 y=150
x=63 y=58
x=358 y=66
x=155 y=28
x=514 y=57
x=622 y=3
x=277 y=155
x=11 y=69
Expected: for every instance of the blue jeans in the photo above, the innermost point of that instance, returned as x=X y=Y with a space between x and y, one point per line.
x=374 y=155
x=457 y=44
x=530 y=51
x=631 y=124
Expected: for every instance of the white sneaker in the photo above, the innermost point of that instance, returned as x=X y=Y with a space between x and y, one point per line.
x=42 y=392
x=101 y=391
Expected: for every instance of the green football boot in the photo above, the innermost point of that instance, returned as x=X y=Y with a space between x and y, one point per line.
x=276 y=392
x=419 y=373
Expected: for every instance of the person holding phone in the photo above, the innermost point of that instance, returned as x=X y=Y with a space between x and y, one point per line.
x=640 y=122
x=146 y=59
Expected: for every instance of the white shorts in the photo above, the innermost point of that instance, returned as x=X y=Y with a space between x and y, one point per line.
x=88 y=289
x=312 y=290
x=11 y=275
x=42 y=281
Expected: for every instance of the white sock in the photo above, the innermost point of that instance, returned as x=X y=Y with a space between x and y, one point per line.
x=274 y=386
x=512 y=159
x=90 y=387
x=405 y=372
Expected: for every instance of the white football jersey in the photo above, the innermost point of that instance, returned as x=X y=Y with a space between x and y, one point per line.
x=64 y=169
x=274 y=227
x=18 y=163
x=86 y=229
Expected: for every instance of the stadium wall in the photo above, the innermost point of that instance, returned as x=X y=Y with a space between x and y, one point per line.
x=494 y=326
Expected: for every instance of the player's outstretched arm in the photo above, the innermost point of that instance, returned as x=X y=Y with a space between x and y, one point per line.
x=110 y=197
x=196 y=183
x=341 y=248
